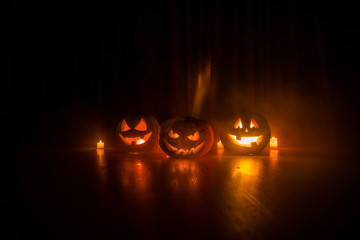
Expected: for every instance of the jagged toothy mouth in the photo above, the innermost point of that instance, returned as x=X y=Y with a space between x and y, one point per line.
x=135 y=140
x=184 y=152
x=246 y=141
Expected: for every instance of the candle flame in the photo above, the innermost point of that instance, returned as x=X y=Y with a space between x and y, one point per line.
x=100 y=140
x=140 y=141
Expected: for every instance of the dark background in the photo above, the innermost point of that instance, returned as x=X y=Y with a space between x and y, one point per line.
x=73 y=68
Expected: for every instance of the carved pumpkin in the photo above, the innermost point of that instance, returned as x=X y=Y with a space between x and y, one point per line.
x=245 y=133
x=138 y=133
x=186 y=137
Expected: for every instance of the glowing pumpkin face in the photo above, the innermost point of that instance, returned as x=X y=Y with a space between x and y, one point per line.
x=245 y=133
x=186 y=137
x=138 y=133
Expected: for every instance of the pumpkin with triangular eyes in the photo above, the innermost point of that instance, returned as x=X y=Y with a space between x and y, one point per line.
x=186 y=137
x=245 y=133
x=138 y=133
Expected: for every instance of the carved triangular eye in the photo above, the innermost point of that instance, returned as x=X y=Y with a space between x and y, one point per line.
x=253 y=124
x=194 y=137
x=238 y=124
x=173 y=135
x=141 y=126
x=124 y=126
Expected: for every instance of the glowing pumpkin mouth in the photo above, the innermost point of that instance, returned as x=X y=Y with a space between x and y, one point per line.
x=246 y=141
x=135 y=140
x=184 y=152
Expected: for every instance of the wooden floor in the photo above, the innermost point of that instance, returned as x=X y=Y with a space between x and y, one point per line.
x=94 y=194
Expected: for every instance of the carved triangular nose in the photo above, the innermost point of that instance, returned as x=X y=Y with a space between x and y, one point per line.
x=246 y=130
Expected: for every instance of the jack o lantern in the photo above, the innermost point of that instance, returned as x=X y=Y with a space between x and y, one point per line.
x=138 y=133
x=245 y=133
x=186 y=137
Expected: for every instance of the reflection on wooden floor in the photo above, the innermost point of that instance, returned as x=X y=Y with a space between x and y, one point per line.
x=106 y=194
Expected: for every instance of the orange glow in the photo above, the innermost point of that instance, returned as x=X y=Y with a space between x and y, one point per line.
x=100 y=156
x=247 y=168
x=273 y=142
x=274 y=158
x=246 y=141
x=238 y=123
x=244 y=209
x=100 y=144
x=173 y=135
x=184 y=176
x=135 y=140
x=124 y=126
x=135 y=176
x=194 y=137
x=220 y=147
x=101 y=166
x=202 y=89
x=140 y=141
x=253 y=124
x=184 y=152
x=141 y=126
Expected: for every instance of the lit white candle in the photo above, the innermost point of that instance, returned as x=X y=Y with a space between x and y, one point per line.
x=100 y=144
x=273 y=142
